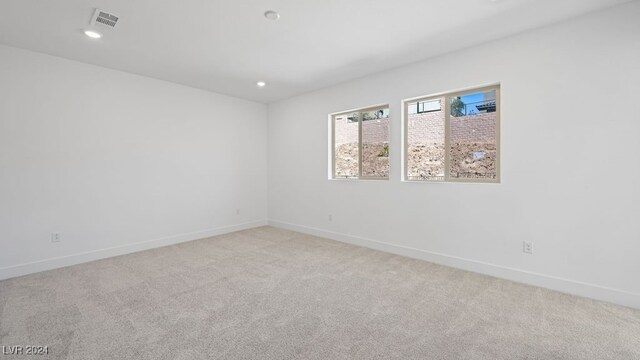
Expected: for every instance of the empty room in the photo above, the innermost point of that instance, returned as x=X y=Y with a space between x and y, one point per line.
x=320 y=179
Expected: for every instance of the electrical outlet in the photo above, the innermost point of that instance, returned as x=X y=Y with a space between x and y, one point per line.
x=527 y=247
x=237 y=211
x=330 y=217
x=55 y=237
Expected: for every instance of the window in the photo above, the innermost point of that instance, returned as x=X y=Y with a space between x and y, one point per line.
x=453 y=137
x=360 y=144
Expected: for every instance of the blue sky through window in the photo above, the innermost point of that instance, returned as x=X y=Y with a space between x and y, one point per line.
x=471 y=100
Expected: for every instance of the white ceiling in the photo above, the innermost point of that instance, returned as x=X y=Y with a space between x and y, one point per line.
x=227 y=45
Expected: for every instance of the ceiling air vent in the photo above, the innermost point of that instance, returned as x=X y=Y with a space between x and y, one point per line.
x=103 y=18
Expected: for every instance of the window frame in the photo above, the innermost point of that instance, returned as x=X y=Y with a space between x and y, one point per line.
x=447 y=142
x=332 y=144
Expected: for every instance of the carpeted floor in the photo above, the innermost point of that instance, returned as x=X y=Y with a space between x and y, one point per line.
x=268 y=293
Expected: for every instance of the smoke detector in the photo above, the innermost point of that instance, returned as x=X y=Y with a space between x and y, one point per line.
x=102 y=18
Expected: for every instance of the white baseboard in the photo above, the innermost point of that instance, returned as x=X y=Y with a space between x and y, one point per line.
x=63 y=261
x=573 y=287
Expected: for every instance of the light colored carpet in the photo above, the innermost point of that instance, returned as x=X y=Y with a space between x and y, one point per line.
x=268 y=293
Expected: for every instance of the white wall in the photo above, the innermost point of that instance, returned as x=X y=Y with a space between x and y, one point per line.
x=116 y=162
x=570 y=162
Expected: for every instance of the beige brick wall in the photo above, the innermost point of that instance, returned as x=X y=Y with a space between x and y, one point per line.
x=345 y=132
x=473 y=128
x=425 y=128
x=428 y=128
x=373 y=132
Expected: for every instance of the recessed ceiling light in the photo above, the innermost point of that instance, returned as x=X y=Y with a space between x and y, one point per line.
x=271 y=15
x=261 y=83
x=93 y=34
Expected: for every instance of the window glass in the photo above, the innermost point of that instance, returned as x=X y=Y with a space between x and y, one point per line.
x=346 y=145
x=361 y=144
x=472 y=136
x=453 y=137
x=425 y=141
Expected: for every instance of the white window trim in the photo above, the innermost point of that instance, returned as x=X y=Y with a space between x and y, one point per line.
x=332 y=144
x=447 y=109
